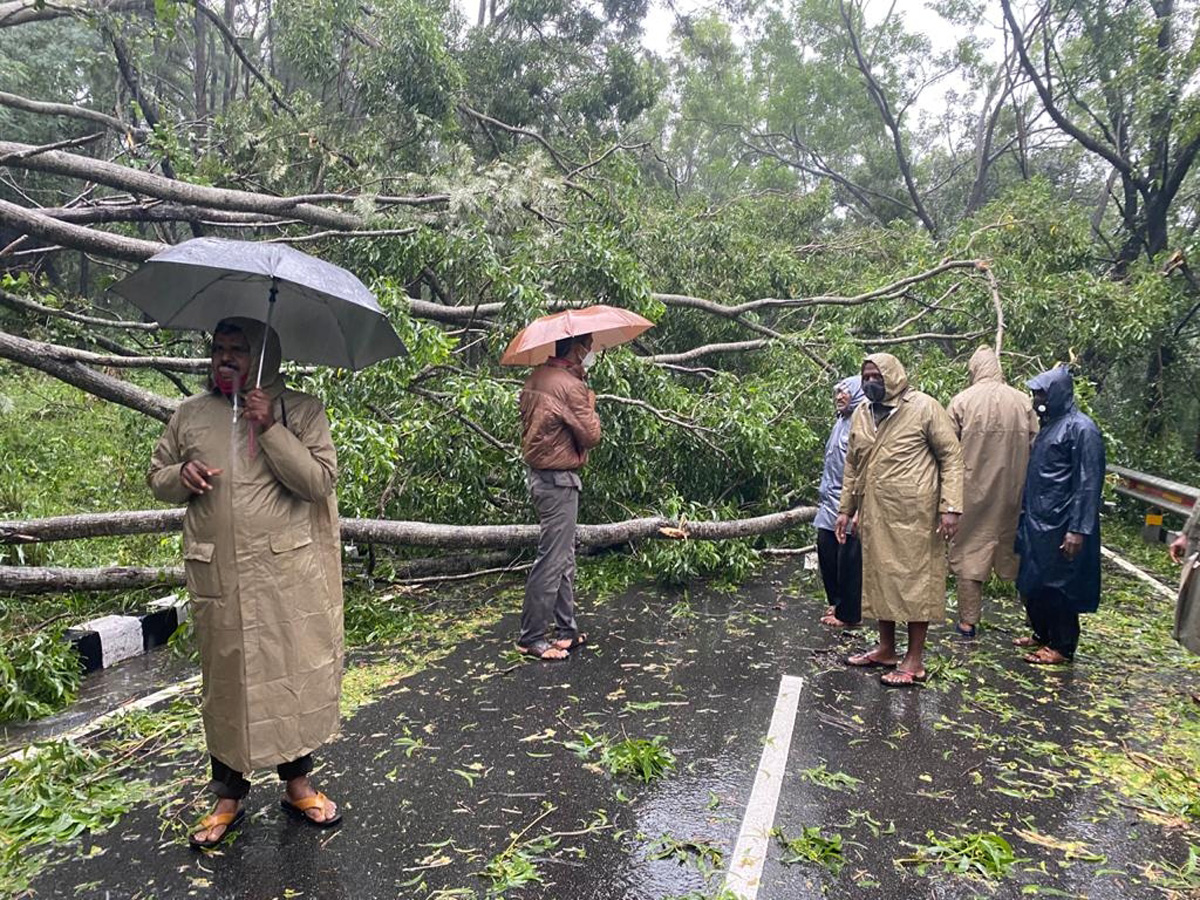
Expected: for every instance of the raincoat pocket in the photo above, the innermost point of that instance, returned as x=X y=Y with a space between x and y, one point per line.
x=203 y=574
x=292 y=539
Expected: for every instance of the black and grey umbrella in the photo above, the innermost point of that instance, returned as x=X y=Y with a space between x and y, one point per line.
x=322 y=313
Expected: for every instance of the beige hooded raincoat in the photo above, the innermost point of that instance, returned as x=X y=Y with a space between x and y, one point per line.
x=263 y=561
x=996 y=425
x=900 y=477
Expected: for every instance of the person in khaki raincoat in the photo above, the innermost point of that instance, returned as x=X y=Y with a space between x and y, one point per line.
x=904 y=481
x=1187 y=608
x=995 y=424
x=261 y=549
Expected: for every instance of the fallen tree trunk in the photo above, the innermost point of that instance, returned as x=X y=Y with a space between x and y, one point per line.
x=31 y=579
x=416 y=534
x=51 y=580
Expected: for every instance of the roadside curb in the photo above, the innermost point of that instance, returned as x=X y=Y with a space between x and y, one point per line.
x=108 y=640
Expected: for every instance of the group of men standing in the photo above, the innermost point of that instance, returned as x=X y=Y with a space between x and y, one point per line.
x=257 y=468
x=904 y=477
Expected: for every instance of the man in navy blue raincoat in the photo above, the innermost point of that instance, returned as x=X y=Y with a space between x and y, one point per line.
x=841 y=564
x=1058 y=536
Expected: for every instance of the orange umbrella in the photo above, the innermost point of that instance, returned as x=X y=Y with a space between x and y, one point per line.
x=608 y=326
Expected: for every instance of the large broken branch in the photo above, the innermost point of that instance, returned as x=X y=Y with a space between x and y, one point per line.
x=21 y=12
x=70 y=165
x=697 y=352
x=77 y=237
x=40 y=356
x=21 y=304
x=12 y=101
x=54 y=580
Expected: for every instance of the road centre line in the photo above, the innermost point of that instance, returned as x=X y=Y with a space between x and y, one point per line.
x=750 y=852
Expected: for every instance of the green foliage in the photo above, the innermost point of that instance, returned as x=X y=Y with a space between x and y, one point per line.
x=39 y=673
x=53 y=796
x=977 y=855
x=638 y=758
x=811 y=846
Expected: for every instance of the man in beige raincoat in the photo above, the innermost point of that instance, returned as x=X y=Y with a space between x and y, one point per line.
x=904 y=481
x=261 y=550
x=996 y=425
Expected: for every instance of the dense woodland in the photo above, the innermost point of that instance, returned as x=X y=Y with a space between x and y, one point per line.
x=790 y=184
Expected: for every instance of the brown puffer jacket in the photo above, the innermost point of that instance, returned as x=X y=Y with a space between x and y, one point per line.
x=558 y=417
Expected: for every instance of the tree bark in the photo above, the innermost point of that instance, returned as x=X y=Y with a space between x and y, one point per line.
x=53 y=580
x=70 y=165
x=38 y=356
x=422 y=534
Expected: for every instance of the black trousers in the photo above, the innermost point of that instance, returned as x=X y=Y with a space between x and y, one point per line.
x=229 y=784
x=1052 y=620
x=841 y=573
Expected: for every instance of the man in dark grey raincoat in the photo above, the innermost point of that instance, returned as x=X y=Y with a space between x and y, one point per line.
x=841 y=564
x=1058 y=536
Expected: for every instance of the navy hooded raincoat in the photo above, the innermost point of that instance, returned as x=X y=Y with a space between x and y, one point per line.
x=1062 y=493
x=830 y=492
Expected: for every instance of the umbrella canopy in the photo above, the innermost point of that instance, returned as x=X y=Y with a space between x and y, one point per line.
x=608 y=326
x=322 y=313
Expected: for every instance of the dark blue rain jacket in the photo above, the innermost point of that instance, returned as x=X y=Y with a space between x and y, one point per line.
x=830 y=492
x=1062 y=493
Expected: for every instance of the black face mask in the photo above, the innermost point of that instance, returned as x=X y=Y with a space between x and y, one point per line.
x=874 y=391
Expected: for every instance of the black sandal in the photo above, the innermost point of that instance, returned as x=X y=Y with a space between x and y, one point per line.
x=539 y=649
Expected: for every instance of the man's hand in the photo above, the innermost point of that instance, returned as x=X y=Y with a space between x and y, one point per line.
x=1071 y=545
x=1178 y=548
x=258 y=409
x=840 y=527
x=948 y=527
x=195 y=476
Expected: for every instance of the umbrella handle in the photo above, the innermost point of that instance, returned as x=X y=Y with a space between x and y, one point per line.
x=262 y=353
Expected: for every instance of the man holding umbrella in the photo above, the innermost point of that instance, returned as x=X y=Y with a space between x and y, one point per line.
x=256 y=468
x=559 y=426
x=263 y=560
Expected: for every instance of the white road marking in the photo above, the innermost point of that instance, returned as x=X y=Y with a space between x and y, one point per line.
x=750 y=852
x=95 y=724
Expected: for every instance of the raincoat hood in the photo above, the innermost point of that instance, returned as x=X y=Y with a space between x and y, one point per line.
x=1059 y=388
x=985 y=366
x=254 y=331
x=895 y=379
x=853 y=387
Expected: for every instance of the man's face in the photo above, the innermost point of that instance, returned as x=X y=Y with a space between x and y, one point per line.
x=231 y=358
x=582 y=349
x=841 y=400
x=1039 y=401
x=870 y=372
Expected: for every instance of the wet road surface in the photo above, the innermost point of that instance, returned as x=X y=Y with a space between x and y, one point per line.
x=459 y=781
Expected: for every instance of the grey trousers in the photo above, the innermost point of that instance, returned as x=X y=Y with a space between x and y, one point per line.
x=550 y=590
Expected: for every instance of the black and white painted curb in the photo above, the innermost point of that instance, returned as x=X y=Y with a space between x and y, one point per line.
x=108 y=640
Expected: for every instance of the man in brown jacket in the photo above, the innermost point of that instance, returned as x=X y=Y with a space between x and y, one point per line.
x=996 y=425
x=558 y=427
x=262 y=554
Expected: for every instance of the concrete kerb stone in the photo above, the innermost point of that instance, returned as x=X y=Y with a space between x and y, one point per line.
x=108 y=640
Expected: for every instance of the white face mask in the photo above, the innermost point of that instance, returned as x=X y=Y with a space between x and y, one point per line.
x=589 y=360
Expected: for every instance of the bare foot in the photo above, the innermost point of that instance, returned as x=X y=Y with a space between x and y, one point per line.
x=207 y=835
x=834 y=622
x=300 y=788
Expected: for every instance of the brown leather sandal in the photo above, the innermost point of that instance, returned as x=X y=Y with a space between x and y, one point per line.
x=297 y=810
x=231 y=821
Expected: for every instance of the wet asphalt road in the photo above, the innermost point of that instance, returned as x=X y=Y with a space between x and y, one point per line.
x=465 y=760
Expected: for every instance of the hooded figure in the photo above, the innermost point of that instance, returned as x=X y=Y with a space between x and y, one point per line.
x=904 y=470
x=261 y=548
x=995 y=424
x=1058 y=536
x=840 y=563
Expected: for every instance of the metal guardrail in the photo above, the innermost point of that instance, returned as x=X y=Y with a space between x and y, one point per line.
x=1159 y=492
